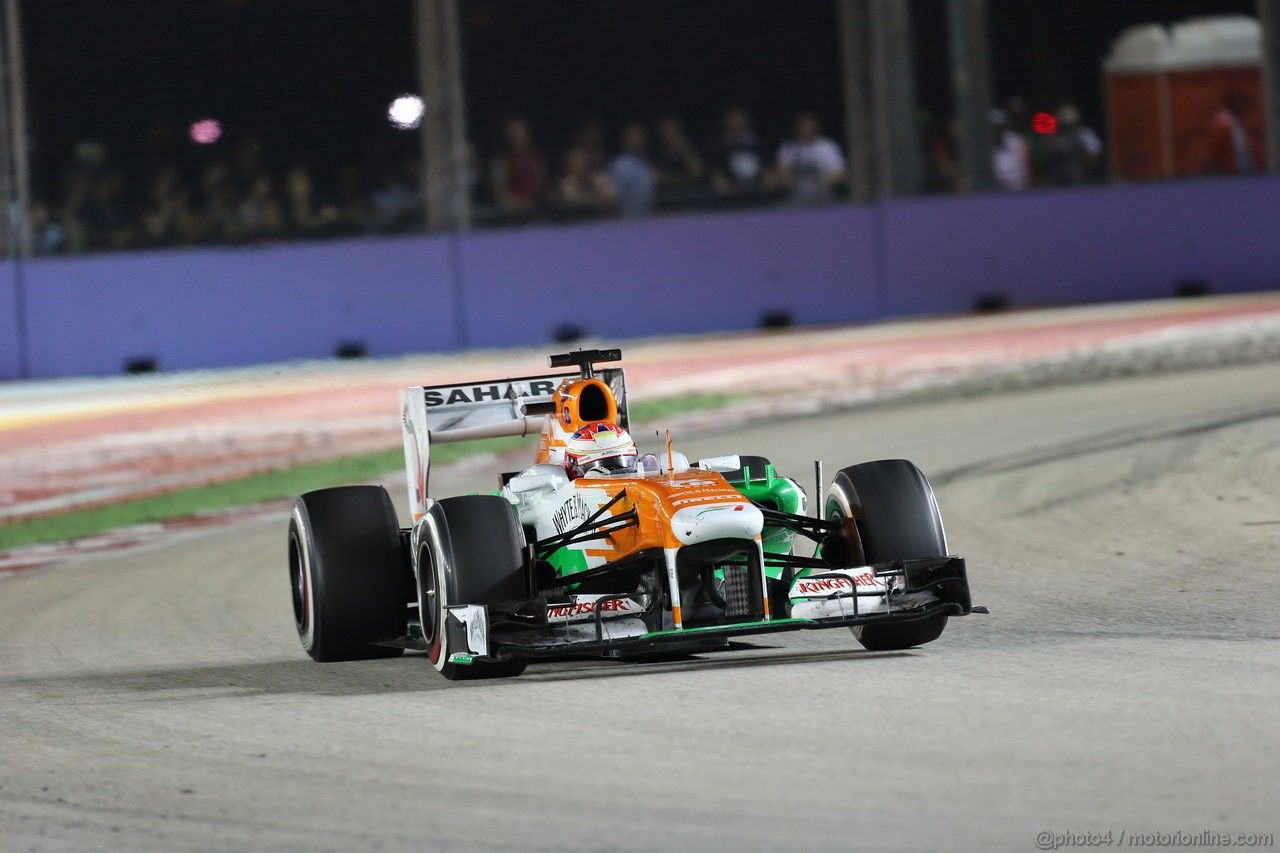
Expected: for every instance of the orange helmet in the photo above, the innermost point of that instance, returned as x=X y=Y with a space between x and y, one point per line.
x=599 y=446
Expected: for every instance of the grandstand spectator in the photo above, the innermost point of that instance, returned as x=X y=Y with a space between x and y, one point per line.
x=632 y=173
x=246 y=163
x=352 y=211
x=167 y=217
x=1072 y=153
x=809 y=164
x=1229 y=145
x=397 y=201
x=261 y=213
x=590 y=139
x=942 y=172
x=582 y=188
x=221 y=210
x=48 y=237
x=737 y=161
x=1010 y=157
x=519 y=172
x=99 y=211
x=308 y=213
x=677 y=163
x=1018 y=117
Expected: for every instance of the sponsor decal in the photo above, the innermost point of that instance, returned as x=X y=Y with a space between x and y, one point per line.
x=836 y=585
x=697 y=484
x=584 y=607
x=460 y=394
x=708 y=498
x=573 y=510
x=462 y=658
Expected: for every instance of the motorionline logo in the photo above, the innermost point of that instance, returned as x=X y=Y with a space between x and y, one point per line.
x=1124 y=838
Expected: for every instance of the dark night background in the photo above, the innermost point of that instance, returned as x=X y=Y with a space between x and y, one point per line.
x=310 y=79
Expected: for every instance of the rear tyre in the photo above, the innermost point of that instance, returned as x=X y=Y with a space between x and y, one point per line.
x=472 y=553
x=897 y=518
x=347 y=573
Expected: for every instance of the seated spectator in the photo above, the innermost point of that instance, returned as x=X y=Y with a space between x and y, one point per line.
x=632 y=173
x=942 y=171
x=308 y=213
x=221 y=210
x=397 y=201
x=1010 y=156
x=101 y=213
x=352 y=213
x=261 y=213
x=737 y=159
x=1230 y=148
x=583 y=189
x=590 y=138
x=167 y=217
x=1071 y=154
x=677 y=162
x=48 y=237
x=809 y=164
x=519 y=172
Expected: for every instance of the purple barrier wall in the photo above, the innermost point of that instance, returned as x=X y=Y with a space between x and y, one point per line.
x=1083 y=245
x=669 y=275
x=210 y=307
x=10 y=363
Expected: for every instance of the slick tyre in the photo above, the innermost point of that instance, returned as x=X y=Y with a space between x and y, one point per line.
x=347 y=573
x=897 y=518
x=472 y=552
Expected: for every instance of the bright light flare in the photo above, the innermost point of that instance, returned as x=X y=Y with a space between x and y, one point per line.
x=206 y=131
x=406 y=112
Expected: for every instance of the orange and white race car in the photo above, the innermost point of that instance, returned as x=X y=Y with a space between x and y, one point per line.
x=596 y=548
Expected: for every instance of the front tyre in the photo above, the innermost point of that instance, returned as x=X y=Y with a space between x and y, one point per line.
x=472 y=552
x=347 y=573
x=897 y=518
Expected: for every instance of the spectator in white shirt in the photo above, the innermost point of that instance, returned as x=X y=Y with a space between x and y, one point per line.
x=1010 y=157
x=810 y=164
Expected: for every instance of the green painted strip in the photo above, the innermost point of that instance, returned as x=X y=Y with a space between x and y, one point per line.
x=735 y=626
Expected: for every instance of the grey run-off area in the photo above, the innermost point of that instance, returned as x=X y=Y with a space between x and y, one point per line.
x=1125 y=534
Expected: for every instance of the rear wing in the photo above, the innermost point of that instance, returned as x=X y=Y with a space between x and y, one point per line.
x=474 y=410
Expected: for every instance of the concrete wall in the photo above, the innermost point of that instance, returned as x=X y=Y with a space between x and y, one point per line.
x=218 y=307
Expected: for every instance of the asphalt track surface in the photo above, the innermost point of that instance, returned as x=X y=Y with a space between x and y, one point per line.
x=1125 y=535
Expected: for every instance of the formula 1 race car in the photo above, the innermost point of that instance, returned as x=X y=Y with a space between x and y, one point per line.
x=658 y=556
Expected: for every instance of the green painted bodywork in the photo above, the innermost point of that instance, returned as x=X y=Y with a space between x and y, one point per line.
x=778 y=493
x=567 y=561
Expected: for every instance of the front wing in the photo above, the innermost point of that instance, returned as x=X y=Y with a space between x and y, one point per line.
x=916 y=589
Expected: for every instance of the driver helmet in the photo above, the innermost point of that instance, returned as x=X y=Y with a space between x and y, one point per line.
x=599 y=446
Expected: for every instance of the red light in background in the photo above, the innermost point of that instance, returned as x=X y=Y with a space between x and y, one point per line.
x=1044 y=124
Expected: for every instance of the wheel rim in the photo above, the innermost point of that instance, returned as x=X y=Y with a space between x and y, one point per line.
x=427 y=605
x=298 y=584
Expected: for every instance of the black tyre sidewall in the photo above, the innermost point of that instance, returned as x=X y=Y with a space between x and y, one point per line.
x=897 y=518
x=474 y=556
x=350 y=552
